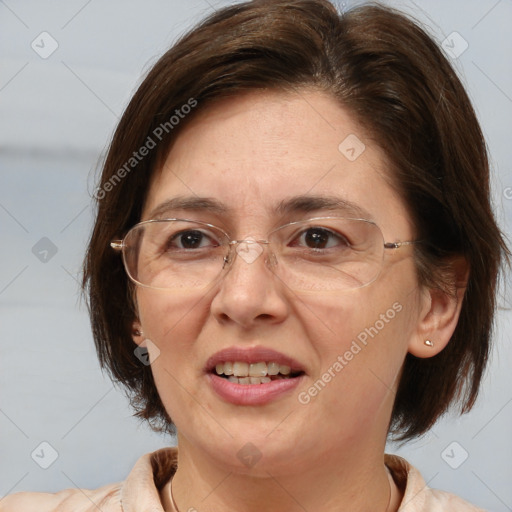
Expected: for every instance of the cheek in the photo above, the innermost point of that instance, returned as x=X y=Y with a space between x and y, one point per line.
x=334 y=326
x=360 y=341
x=172 y=323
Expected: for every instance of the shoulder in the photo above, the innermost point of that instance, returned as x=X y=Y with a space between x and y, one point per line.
x=106 y=498
x=140 y=491
x=417 y=496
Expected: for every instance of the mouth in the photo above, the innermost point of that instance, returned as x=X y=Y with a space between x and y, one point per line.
x=253 y=375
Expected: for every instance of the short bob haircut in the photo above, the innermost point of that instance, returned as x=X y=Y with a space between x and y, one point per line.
x=395 y=81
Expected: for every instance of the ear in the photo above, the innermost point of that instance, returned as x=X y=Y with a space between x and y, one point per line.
x=137 y=333
x=439 y=312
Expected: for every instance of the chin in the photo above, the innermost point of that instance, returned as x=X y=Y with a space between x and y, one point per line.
x=254 y=451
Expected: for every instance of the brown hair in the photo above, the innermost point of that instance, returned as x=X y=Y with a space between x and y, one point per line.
x=391 y=76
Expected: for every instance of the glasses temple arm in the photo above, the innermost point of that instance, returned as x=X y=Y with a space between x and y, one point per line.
x=396 y=245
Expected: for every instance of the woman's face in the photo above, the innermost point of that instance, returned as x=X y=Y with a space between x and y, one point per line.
x=249 y=155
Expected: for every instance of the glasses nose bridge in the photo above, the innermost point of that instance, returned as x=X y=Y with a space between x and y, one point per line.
x=249 y=250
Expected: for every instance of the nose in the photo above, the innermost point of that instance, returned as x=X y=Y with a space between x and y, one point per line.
x=249 y=293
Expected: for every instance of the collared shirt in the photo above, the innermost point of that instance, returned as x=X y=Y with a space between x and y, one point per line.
x=140 y=492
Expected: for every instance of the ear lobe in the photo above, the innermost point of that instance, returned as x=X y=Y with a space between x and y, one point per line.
x=439 y=313
x=137 y=334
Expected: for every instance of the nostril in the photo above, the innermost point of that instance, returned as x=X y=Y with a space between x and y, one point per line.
x=264 y=316
x=223 y=317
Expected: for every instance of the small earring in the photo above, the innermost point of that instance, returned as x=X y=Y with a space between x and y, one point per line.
x=136 y=332
x=429 y=343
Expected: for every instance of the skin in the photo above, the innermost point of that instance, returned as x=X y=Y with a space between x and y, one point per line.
x=250 y=152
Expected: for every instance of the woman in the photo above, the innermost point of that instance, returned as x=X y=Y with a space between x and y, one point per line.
x=298 y=200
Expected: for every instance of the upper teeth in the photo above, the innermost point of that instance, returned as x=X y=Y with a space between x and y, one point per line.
x=241 y=369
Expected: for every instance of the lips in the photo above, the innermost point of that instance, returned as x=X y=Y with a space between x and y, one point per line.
x=250 y=390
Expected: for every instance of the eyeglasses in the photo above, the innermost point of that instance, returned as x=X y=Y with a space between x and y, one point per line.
x=319 y=254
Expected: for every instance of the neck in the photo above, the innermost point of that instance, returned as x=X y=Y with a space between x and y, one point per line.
x=330 y=482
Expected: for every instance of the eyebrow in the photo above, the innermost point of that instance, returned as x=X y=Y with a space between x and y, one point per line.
x=309 y=203
x=190 y=203
x=296 y=204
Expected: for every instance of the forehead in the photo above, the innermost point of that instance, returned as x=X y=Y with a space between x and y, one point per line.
x=253 y=152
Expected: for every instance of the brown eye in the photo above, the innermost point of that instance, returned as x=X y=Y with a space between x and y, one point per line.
x=191 y=239
x=321 y=238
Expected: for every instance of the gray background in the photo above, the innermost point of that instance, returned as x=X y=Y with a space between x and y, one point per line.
x=56 y=117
